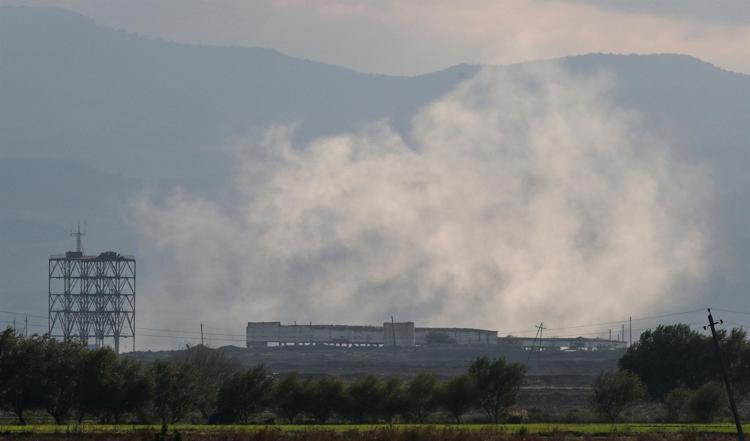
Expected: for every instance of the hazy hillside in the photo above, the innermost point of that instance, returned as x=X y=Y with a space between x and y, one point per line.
x=90 y=115
x=151 y=108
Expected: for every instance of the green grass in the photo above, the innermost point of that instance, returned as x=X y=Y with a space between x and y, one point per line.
x=510 y=429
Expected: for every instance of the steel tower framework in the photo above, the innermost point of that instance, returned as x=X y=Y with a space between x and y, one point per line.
x=92 y=296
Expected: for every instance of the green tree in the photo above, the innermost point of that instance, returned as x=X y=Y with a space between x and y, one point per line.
x=613 y=392
x=210 y=368
x=94 y=383
x=130 y=389
x=395 y=400
x=499 y=384
x=108 y=387
x=62 y=361
x=328 y=396
x=706 y=402
x=244 y=393
x=458 y=396
x=422 y=396
x=291 y=396
x=22 y=368
x=174 y=393
x=364 y=398
x=672 y=356
x=676 y=402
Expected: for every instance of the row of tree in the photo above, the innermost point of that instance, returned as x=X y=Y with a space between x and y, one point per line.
x=70 y=382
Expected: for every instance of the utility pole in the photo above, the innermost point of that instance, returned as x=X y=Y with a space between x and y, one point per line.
x=631 y=331
x=622 y=333
x=201 y=334
x=541 y=334
x=712 y=324
x=610 y=334
x=26 y=326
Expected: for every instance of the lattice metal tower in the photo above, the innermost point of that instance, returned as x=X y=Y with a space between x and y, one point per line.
x=92 y=296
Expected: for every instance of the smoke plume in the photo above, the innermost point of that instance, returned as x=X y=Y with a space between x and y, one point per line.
x=523 y=195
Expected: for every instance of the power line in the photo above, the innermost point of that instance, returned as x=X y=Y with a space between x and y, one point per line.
x=23 y=314
x=732 y=312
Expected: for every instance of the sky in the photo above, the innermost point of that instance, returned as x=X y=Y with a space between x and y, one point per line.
x=415 y=37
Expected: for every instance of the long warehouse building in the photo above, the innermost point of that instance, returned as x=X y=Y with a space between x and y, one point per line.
x=390 y=334
x=405 y=334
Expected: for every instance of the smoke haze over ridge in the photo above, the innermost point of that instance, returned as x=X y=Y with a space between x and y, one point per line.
x=523 y=195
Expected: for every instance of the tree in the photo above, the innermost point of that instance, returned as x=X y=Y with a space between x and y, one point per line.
x=328 y=394
x=95 y=382
x=61 y=364
x=422 y=395
x=210 y=367
x=130 y=389
x=395 y=400
x=613 y=392
x=22 y=367
x=244 y=393
x=291 y=396
x=458 y=395
x=706 y=402
x=364 y=397
x=676 y=402
x=174 y=390
x=672 y=356
x=499 y=384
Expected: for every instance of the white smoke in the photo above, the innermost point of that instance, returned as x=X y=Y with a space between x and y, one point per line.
x=521 y=196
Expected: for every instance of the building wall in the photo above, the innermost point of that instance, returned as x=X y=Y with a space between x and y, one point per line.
x=261 y=333
x=398 y=334
x=578 y=344
x=458 y=336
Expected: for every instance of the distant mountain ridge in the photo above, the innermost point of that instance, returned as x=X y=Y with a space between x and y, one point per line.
x=90 y=115
x=154 y=105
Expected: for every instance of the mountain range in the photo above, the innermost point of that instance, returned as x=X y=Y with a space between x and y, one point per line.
x=90 y=116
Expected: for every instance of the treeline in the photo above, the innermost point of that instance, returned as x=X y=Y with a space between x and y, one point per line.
x=71 y=383
x=676 y=367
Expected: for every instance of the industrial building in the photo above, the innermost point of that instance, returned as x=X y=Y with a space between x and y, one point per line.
x=92 y=296
x=405 y=334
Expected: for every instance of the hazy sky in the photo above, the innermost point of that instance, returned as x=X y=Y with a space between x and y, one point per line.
x=400 y=37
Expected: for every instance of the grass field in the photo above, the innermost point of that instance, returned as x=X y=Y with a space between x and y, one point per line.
x=538 y=429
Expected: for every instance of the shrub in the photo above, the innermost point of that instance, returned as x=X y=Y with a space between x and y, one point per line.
x=676 y=402
x=613 y=392
x=706 y=402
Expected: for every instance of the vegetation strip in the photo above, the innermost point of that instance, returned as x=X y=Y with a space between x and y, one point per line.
x=533 y=429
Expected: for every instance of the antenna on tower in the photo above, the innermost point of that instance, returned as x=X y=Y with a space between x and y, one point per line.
x=78 y=234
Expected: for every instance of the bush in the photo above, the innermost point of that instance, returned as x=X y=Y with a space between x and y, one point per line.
x=676 y=403
x=706 y=402
x=613 y=392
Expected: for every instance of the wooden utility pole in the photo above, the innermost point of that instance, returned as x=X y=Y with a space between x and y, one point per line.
x=201 y=334
x=712 y=324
